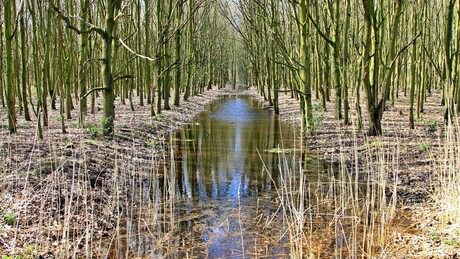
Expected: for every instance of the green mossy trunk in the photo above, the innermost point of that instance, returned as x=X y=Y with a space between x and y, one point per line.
x=413 y=77
x=113 y=6
x=304 y=70
x=24 y=83
x=82 y=75
x=375 y=126
x=10 y=99
x=178 y=75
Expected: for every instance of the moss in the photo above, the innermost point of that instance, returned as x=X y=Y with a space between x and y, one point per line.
x=107 y=126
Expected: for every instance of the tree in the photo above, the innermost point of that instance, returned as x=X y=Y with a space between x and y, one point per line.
x=449 y=86
x=10 y=98
x=82 y=75
x=24 y=84
x=108 y=35
x=376 y=98
x=306 y=105
x=178 y=57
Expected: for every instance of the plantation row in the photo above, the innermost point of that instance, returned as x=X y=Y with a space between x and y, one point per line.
x=369 y=51
x=72 y=51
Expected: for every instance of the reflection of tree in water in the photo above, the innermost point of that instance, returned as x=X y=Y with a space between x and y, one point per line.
x=222 y=191
x=218 y=155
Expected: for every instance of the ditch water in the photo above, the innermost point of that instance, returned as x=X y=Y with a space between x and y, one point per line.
x=217 y=195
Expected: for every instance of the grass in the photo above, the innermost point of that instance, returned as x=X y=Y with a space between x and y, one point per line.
x=116 y=208
x=425 y=147
x=278 y=150
x=29 y=253
x=447 y=194
x=345 y=212
x=93 y=129
x=338 y=214
x=10 y=218
x=377 y=143
x=161 y=117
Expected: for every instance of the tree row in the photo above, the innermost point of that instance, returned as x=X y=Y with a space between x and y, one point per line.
x=64 y=54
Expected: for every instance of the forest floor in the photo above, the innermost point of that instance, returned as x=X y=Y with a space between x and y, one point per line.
x=37 y=206
x=35 y=173
x=414 y=154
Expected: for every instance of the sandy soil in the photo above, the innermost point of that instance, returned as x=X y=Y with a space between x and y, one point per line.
x=50 y=165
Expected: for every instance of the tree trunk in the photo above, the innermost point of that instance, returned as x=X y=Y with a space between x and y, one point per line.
x=375 y=127
x=448 y=81
x=113 y=6
x=337 y=68
x=178 y=78
x=345 y=60
x=413 y=75
x=190 y=50
x=82 y=75
x=304 y=73
x=10 y=99
x=148 y=65
x=24 y=65
x=46 y=69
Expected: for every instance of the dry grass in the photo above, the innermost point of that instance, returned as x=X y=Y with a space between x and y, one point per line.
x=67 y=195
x=80 y=196
x=448 y=192
x=343 y=213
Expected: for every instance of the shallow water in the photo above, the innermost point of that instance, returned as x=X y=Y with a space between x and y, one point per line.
x=217 y=197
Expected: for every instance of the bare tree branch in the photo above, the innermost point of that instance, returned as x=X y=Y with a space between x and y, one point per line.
x=92 y=90
x=134 y=53
x=69 y=25
x=327 y=39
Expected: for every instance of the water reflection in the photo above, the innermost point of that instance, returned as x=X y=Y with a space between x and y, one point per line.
x=222 y=192
x=218 y=155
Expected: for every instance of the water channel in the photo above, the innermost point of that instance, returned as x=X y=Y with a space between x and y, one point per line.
x=219 y=197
